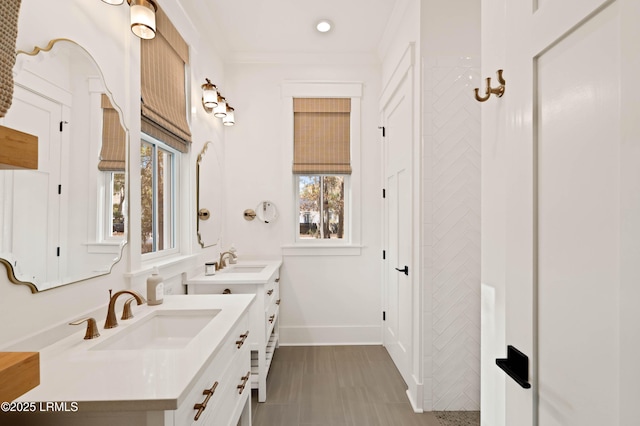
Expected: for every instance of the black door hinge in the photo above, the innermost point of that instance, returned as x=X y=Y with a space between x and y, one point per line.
x=383 y=130
x=384 y=193
x=384 y=254
x=384 y=316
x=58 y=251
x=59 y=189
x=62 y=123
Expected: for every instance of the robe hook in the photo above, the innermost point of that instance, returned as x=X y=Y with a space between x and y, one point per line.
x=498 y=91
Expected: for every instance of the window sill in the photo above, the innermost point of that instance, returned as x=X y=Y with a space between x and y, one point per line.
x=163 y=263
x=301 y=249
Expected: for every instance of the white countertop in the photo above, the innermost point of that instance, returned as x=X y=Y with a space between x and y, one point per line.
x=228 y=276
x=134 y=379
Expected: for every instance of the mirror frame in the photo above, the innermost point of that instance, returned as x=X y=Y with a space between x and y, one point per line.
x=201 y=213
x=34 y=52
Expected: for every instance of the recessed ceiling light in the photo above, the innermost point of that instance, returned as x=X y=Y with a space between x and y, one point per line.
x=323 y=26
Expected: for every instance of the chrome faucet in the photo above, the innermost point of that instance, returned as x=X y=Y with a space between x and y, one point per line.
x=221 y=263
x=111 y=321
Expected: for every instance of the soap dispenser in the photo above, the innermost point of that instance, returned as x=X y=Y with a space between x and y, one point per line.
x=155 y=288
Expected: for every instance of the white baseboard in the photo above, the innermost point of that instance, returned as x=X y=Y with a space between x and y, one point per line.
x=330 y=335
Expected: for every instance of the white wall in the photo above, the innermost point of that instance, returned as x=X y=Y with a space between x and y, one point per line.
x=104 y=31
x=326 y=299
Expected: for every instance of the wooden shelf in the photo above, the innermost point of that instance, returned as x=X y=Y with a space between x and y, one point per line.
x=19 y=373
x=18 y=150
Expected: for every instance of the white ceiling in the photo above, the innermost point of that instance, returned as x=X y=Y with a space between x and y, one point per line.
x=276 y=27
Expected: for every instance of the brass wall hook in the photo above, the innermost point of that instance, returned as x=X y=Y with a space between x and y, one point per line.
x=498 y=91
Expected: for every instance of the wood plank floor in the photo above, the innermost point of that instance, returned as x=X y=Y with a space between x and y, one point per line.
x=335 y=385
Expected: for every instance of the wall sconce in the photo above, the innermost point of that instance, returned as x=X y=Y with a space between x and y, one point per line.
x=143 y=16
x=214 y=102
x=221 y=110
x=209 y=96
x=229 y=119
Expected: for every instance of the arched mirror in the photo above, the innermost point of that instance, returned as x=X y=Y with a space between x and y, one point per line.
x=208 y=196
x=66 y=221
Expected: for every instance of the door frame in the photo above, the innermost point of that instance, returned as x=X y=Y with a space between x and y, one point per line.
x=406 y=68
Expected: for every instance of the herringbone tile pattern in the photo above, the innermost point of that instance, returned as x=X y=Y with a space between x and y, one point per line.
x=452 y=188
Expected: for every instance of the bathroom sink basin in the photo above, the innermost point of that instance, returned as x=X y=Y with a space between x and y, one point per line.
x=164 y=329
x=246 y=269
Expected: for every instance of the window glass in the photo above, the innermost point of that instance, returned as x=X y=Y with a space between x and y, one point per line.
x=321 y=207
x=157 y=176
x=116 y=204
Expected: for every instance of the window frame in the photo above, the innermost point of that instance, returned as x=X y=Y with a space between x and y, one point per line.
x=175 y=197
x=293 y=245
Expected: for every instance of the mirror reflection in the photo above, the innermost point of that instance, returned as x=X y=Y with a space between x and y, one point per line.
x=208 y=195
x=66 y=221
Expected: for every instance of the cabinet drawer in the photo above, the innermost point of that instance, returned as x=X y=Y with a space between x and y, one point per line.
x=271 y=316
x=237 y=389
x=209 y=387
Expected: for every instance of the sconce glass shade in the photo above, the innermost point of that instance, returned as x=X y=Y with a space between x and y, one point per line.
x=143 y=18
x=209 y=96
x=221 y=110
x=229 y=119
x=114 y=2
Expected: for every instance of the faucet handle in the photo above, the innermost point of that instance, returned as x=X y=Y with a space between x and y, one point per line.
x=92 y=327
x=127 y=313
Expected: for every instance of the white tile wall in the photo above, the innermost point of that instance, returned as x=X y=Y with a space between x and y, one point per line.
x=451 y=243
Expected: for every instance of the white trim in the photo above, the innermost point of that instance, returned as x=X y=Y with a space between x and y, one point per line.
x=401 y=71
x=330 y=335
x=304 y=58
x=321 y=249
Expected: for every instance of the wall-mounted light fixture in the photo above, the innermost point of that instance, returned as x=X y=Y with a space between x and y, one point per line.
x=221 y=110
x=209 y=96
x=143 y=16
x=229 y=119
x=214 y=102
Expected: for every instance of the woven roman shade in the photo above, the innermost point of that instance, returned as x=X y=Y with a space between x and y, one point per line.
x=164 y=102
x=321 y=136
x=113 y=151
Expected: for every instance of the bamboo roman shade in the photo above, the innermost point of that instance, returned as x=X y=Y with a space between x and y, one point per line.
x=164 y=103
x=113 y=151
x=321 y=136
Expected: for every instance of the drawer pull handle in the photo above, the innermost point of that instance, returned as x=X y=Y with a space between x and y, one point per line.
x=278 y=302
x=272 y=317
x=203 y=405
x=278 y=279
x=270 y=292
x=243 y=337
x=242 y=385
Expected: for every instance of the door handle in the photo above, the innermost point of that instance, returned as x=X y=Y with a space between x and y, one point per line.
x=405 y=270
x=516 y=365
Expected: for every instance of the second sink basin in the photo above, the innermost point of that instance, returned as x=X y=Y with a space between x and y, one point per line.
x=163 y=329
x=244 y=269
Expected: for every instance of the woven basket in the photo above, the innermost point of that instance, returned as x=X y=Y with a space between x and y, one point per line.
x=9 y=10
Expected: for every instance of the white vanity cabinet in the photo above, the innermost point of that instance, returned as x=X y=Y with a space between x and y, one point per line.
x=221 y=392
x=205 y=380
x=264 y=331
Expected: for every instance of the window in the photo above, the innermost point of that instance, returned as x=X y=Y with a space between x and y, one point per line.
x=321 y=203
x=324 y=151
x=322 y=165
x=158 y=164
x=115 y=203
x=113 y=165
x=164 y=62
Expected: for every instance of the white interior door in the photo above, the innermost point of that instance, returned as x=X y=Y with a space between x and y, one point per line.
x=33 y=194
x=572 y=228
x=398 y=189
